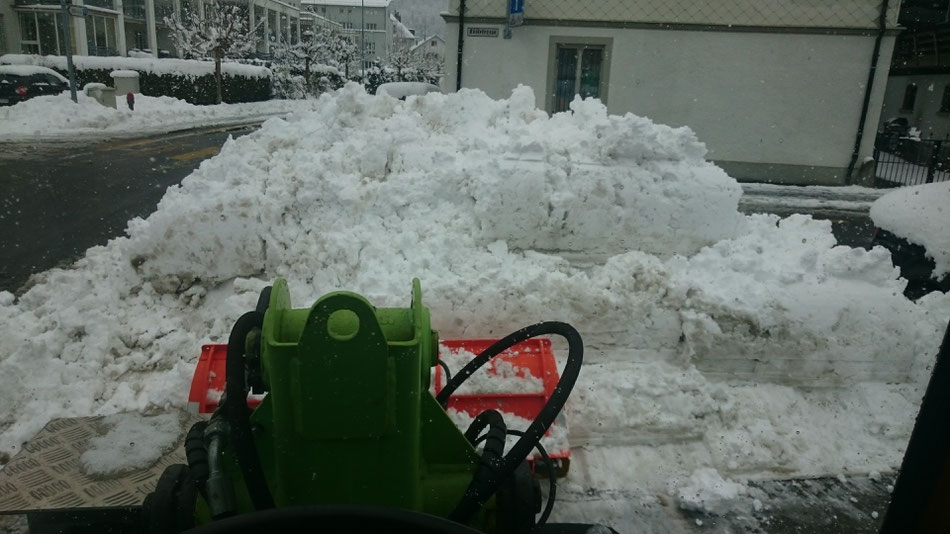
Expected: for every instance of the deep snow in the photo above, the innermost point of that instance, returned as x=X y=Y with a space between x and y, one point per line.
x=748 y=347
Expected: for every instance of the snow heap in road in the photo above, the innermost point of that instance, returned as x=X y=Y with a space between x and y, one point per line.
x=57 y=116
x=698 y=321
x=921 y=214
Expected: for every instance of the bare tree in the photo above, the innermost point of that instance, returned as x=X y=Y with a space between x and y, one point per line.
x=222 y=32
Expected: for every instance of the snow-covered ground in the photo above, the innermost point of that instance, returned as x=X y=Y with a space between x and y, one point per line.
x=719 y=347
x=58 y=117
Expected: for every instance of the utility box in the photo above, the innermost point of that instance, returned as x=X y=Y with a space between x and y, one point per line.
x=125 y=81
x=103 y=94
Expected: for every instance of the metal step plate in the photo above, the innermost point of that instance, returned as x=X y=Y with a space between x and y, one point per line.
x=47 y=474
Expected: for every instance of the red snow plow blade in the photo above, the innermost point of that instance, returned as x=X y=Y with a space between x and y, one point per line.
x=533 y=356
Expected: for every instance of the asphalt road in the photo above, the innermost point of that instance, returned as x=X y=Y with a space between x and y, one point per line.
x=60 y=198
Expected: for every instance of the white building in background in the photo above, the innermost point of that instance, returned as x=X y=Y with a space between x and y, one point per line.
x=116 y=27
x=775 y=89
x=366 y=21
x=432 y=48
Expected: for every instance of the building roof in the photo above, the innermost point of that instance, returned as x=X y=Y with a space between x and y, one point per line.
x=426 y=40
x=349 y=3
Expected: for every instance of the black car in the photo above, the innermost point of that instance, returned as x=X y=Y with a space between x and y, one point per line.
x=22 y=82
x=915 y=211
x=914 y=264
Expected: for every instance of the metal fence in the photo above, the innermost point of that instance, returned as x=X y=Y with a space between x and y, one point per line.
x=854 y=14
x=911 y=161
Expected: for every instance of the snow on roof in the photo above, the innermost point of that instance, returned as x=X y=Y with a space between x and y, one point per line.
x=350 y=3
x=400 y=29
x=921 y=215
x=184 y=67
x=124 y=74
x=29 y=70
x=426 y=40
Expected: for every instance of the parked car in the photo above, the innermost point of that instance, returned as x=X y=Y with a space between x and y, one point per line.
x=401 y=90
x=22 y=82
x=912 y=223
x=891 y=133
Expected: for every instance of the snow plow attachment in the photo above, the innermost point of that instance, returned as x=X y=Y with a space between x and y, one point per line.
x=325 y=415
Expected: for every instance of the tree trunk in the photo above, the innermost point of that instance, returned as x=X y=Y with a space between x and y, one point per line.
x=217 y=74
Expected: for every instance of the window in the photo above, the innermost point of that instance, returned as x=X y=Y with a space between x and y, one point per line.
x=370 y=47
x=945 y=101
x=577 y=67
x=39 y=33
x=347 y=25
x=370 y=26
x=910 y=97
x=100 y=35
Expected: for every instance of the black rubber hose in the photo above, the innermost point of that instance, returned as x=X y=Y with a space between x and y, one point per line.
x=238 y=416
x=532 y=434
x=552 y=479
x=488 y=472
x=196 y=454
x=445 y=367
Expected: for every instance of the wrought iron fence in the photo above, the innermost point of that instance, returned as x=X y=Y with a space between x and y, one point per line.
x=905 y=161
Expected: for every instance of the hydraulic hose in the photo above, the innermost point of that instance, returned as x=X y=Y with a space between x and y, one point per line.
x=478 y=495
x=236 y=413
x=490 y=465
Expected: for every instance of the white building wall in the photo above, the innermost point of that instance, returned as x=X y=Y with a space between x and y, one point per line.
x=761 y=98
x=801 y=13
x=926 y=115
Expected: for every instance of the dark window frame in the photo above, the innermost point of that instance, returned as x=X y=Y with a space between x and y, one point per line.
x=945 y=99
x=910 y=97
x=558 y=42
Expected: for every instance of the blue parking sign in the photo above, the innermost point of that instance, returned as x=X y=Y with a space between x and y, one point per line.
x=515 y=12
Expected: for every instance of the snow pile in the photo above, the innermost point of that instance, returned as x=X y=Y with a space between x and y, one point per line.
x=132 y=441
x=496 y=376
x=920 y=214
x=695 y=318
x=706 y=491
x=180 y=67
x=58 y=116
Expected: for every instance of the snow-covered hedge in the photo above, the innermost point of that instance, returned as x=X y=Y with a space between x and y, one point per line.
x=188 y=80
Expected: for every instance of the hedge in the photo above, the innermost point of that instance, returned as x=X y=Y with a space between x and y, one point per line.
x=193 y=88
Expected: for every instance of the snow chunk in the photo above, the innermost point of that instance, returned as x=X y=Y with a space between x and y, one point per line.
x=707 y=491
x=496 y=376
x=132 y=442
x=921 y=215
